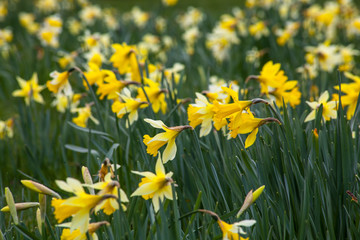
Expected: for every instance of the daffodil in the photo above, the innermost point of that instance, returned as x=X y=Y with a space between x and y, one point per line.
x=59 y=82
x=233 y=231
x=124 y=58
x=84 y=114
x=155 y=186
x=111 y=86
x=168 y=137
x=352 y=91
x=129 y=105
x=245 y=122
x=201 y=113
x=109 y=205
x=29 y=89
x=155 y=94
x=223 y=111
x=6 y=128
x=329 y=108
x=93 y=75
x=78 y=207
x=67 y=234
x=230 y=231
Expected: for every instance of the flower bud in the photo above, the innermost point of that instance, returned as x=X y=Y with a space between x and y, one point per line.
x=21 y=206
x=37 y=187
x=87 y=178
x=11 y=203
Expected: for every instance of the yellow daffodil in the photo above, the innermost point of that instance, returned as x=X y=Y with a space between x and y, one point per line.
x=233 y=231
x=29 y=89
x=78 y=206
x=111 y=86
x=230 y=231
x=223 y=111
x=124 y=57
x=84 y=114
x=109 y=205
x=287 y=92
x=6 y=128
x=155 y=186
x=128 y=105
x=59 y=82
x=201 y=113
x=352 y=91
x=329 y=108
x=93 y=75
x=168 y=137
x=155 y=94
x=77 y=235
x=245 y=122
x=65 y=100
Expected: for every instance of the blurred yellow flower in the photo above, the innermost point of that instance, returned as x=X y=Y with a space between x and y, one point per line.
x=84 y=114
x=168 y=137
x=155 y=94
x=59 y=82
x=6 y=128
x=155 y=186
x=352 y=91
x=169 y=2
x=329 y=108
x=127 y=104
x=29 y=89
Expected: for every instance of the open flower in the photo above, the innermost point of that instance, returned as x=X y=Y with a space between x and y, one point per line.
x=29 y=89
x=155 y=94
x=67 y=234
x=59 y=82
x=109 y=187
x=201 y=113
x=155 y=186
x=128 y=105
x=245 y=122
x=329 y=108
x=233 y=231
x=84 y=114
x=78 y=207
x=168 y=137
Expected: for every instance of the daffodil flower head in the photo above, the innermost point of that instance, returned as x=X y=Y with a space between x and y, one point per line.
x=168 y=137
x=108 y=186
x=329 y=108
x=78 y=206
x=155 y=186
x=29 y=89
x=233 y=231
x=59 y=82
x=201 y=113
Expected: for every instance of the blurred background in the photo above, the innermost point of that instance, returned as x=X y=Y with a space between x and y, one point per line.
x=214 y=6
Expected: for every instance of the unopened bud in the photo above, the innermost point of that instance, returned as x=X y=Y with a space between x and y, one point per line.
x=38 y=220
x=42 y=201
x=37 y=187
x=257 y=193
x=95 y=226
x=11 y=203
x=21 y=206
x=87 y=178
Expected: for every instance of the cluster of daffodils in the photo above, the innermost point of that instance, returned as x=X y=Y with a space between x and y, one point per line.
x=219 y=112
x=78 y=207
